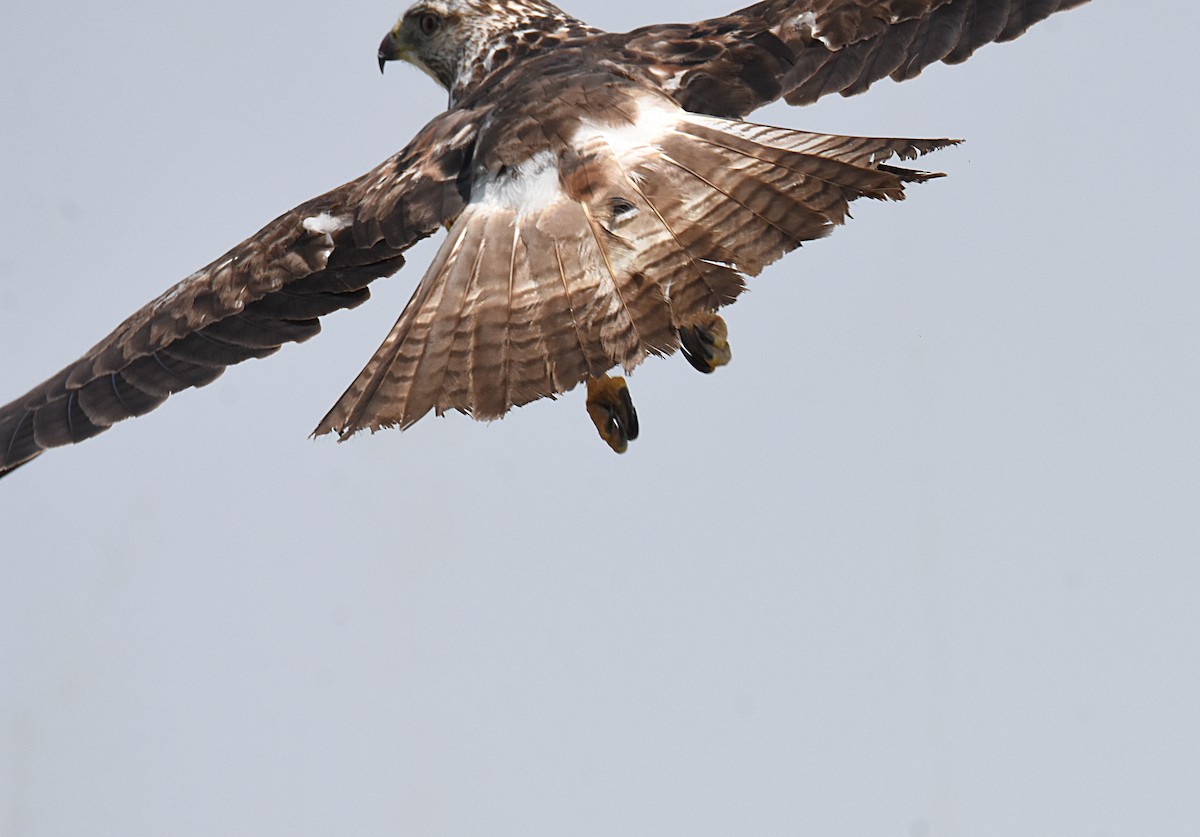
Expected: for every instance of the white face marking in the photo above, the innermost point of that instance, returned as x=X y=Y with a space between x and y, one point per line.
x=530 y=187
x=325 y=224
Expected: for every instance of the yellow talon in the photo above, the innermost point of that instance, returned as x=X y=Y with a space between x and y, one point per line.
x=611 y=409
x=705 y=343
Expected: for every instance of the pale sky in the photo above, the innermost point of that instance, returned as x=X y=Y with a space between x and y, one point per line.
x=922 y=561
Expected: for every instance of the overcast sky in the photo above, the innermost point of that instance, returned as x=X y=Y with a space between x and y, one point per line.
x=922 y=561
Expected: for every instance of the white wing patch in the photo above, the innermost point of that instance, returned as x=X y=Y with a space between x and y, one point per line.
x=806 y=22
x=325 y=224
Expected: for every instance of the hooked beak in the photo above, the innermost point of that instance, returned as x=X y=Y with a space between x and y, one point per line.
x=390 y=48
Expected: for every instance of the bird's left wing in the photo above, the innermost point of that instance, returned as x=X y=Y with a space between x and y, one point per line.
x=801 y=50
x=269 y=290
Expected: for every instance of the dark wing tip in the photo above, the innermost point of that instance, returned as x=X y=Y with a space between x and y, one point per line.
x=5 y=470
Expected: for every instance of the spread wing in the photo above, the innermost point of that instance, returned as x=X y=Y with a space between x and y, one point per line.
x=592 y=256
x=269 y=290
x=800 y=50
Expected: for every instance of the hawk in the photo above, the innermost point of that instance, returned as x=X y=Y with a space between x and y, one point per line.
x=603 y=198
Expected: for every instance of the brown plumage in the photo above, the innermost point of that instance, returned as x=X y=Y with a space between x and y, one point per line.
x=600 y=195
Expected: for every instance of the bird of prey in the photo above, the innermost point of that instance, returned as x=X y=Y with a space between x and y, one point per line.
x=602 y=193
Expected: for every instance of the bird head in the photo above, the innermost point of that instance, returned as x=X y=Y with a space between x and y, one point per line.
x=461 y=42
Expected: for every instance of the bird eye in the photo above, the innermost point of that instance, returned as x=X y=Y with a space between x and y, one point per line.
x=429 y=23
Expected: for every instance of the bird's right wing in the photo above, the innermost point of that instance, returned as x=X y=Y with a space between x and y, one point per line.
x=269 y=290
x=801 y=50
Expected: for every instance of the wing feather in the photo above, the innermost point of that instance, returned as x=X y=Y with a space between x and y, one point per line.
x=269 y=290
x=801 y=50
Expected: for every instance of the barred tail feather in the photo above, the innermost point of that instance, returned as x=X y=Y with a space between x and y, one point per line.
x=543 y=283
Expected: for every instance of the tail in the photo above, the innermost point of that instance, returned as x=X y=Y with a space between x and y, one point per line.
x=594 y=259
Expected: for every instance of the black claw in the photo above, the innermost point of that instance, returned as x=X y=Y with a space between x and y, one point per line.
x=631 y=417
x=611 y=409
x=623 y=422
x=695 y=343
x=613 y=427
